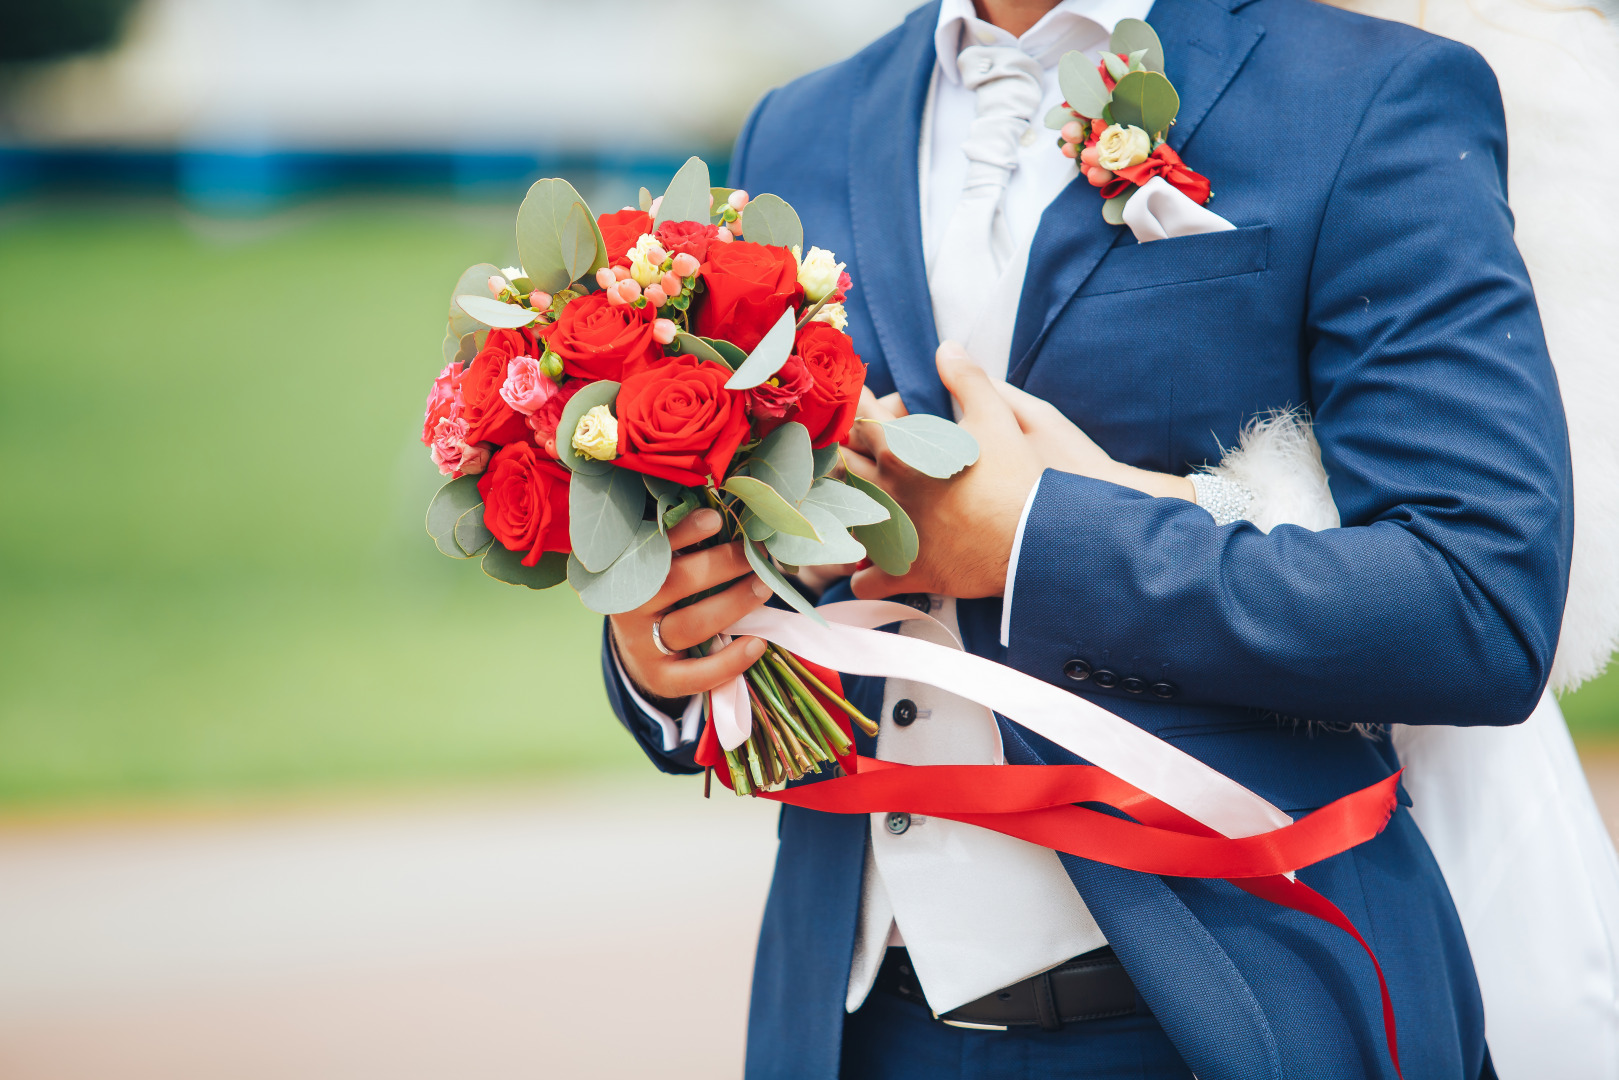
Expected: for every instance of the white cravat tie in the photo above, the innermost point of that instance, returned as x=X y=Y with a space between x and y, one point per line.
x=977 y=244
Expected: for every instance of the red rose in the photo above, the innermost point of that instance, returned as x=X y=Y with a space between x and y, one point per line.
x=621 y=231
x=543 y=421
x=679 y=422
x=689 y=237
x=749 y=286
x=488 y=417
x=772 y=400
x=525 y=501
x=601 y=340
x=827 y=408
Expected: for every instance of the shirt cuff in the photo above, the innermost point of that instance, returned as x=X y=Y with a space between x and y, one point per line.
x=676 y=733
x=1011 y=568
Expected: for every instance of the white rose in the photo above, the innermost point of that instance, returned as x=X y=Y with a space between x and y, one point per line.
x=834 y=314
x=818 y=273
x=597 y=434
x=1122 y=147
x=646 y=260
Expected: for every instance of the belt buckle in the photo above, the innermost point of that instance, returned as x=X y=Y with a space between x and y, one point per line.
x=968 y=1025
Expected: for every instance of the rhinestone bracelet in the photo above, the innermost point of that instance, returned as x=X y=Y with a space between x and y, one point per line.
x=1225 y=499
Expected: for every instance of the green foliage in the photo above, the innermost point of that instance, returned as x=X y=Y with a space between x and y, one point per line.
x=826 y=459
x=604 y=513
x=1133 y=36
x=1146 y=100
x=453 y=501
x=1113 y=209
x=474 y=281
x=834 y=546
x=493 y=313
x=931 y=444
x=767 y=356
x=1082 y=87
x=784 y=460
x=35 y=30
x=850 y=506
x=778 y=582
x=549 y=570
x=557 y=237
x=891 y=544
x=1058 y=116
x=770 y=507
x=689 y=196
x=1115 y=67
x=700 y=347
x=632 y=580
x=768 y=219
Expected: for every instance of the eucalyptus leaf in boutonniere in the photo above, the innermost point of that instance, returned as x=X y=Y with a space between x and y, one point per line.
x=1115 y=119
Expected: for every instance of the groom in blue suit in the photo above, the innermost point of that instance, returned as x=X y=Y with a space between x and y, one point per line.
x=1372 y=278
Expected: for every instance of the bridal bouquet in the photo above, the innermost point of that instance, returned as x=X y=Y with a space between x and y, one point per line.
x=643 y=364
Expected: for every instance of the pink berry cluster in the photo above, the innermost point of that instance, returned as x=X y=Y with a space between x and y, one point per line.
x=1078 y=140
x=504 y=291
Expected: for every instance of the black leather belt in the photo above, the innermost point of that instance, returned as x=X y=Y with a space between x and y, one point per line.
x=1094 y=986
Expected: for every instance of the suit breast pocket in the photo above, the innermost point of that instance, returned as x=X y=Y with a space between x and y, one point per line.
x=1181 y=260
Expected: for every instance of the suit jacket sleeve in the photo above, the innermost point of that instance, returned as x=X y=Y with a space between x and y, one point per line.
x=1442 y=432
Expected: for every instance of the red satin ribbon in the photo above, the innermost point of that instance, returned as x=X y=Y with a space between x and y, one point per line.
x=1166 y=163
x=1036 y=803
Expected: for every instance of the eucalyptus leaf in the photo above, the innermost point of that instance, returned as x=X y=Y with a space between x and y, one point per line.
x=659 y=487
x=826 y=459
x=1082 y=87
x=766 y=502
x=471 y=534
x=672 y=510
x=1058 y=117
x=602 y=392
x=719 y=195
x=931 y=444
x=754 y=527
x=504 y=565
x=692 y=345
x=1136 y=60
x=785 y=461
x=1115 y=67
x=631 y=581
x=475 y=281
x=1131 y=36
x=730 y=355
x=452 y=500
x=552 y=238
x=459 y=350
x=491 y=312
x=1144 y=99
x=1113 y=209
x=849 y=505
x=768 y=356
x=835 y=547
x=688 y=197
x=778 y=582
x=646 y=201
x=604 y=512
x=892 y=545
x=768 y=219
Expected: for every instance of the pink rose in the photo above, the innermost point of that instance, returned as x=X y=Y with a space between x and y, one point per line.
x=451 y=452
x=443 y=400
x=527 y=388
x=543 y=423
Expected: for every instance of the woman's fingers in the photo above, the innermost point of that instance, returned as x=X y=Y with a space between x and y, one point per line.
x=694 y=528
x=697 y=571
x=687 y=677
x=696 y=623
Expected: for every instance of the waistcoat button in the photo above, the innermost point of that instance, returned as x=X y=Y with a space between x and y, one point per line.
x=898 y=823
x=904 y=712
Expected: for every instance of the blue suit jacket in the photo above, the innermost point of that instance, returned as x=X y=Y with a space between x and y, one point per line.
x=1372 y=277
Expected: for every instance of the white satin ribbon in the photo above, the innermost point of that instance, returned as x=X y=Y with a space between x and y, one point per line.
x=850 y=642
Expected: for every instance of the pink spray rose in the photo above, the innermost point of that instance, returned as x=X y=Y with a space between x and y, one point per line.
x=452 y=453
x=527 y=388
x=443 y=400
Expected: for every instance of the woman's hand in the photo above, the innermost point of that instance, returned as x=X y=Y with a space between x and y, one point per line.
x=671 y=678
x=1064 y=447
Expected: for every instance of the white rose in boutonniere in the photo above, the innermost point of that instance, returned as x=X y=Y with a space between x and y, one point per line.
x=1122 y=147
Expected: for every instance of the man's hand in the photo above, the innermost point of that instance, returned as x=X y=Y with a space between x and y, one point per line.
x=1063 y=446
x=674 y=677
x=966 y=524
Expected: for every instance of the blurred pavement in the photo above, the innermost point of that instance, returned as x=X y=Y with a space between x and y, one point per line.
x=581 y=932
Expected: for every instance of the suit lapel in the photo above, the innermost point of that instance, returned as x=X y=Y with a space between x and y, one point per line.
x=886 y=212
x=1205 y=44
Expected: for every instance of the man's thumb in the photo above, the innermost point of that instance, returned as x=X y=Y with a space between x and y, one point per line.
x=968 y=384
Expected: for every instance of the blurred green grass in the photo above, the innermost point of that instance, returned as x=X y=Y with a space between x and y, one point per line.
x=213 y=572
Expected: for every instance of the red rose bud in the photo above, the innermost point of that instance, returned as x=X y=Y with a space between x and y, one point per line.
x=525 y=502
x=679 y=422
x=621 y=231
x=489 y=417
x=827 y=406
x=598 y=340
x=749 y=287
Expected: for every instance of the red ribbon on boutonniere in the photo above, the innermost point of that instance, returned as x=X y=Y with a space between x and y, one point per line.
x=1116 y=117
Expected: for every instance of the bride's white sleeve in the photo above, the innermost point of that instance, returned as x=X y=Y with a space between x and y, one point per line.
x=1507 y=812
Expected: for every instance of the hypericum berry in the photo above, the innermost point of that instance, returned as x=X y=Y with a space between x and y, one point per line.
x=1098 y=176
x=671 y=284
x=606 y=278
x=656 y=205
x=498 y=284
x=664 y=331
x=628 y=290
x=621 y=272
x=737 y=199
x=539 y=300
x=686 y=265
x=613 y=296
x=655 y=295
x=1097 y=127
x=1073 y=131
x=724 y=236
x=1070 y=150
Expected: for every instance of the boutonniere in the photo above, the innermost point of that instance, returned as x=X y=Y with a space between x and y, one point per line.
x=1116 y=118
